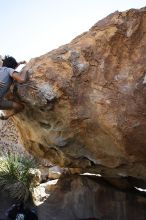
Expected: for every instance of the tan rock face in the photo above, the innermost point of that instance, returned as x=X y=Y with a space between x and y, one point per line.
x=86 y=102
x=80 y=198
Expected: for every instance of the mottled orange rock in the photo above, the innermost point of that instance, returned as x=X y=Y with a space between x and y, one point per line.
x=86 y=102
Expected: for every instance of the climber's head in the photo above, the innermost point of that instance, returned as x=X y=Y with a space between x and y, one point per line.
x=10 y=62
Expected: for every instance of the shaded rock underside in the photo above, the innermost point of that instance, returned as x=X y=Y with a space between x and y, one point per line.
x=81 y=197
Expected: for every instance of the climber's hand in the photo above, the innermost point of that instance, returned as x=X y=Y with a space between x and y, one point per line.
x=22 y=62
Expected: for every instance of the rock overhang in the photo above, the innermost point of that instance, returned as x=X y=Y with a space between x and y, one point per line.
x=85 y=102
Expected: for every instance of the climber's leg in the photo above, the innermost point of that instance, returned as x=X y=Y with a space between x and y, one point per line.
x=16 y=107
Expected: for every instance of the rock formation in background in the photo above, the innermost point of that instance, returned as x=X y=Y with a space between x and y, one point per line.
x=10 y=140
x=86 y=101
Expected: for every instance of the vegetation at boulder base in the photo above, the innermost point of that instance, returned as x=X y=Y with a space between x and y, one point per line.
x=14 y=175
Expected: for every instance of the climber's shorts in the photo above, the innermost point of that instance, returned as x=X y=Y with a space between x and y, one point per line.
x=5 y=104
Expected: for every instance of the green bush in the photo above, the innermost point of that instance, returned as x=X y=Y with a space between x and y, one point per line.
x=14 y=175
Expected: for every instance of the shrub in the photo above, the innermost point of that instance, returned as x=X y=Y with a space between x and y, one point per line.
x=14 y=175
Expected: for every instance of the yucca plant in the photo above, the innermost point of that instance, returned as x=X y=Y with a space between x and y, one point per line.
x=14 y=175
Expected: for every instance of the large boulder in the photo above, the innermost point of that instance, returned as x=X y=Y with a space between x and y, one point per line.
x=86 y=101
x=79 y=198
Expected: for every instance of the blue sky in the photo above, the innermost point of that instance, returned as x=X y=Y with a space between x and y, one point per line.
x=30 y=28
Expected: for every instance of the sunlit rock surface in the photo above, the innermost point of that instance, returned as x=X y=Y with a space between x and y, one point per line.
x=86 y=101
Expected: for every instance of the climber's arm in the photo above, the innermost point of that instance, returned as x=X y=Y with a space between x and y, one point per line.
x=20 y=77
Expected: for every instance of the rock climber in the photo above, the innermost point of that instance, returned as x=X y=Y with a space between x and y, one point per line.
x=9 y=75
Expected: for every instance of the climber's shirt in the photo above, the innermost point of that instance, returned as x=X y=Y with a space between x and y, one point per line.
x=5 y=80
